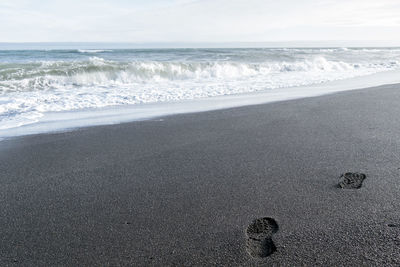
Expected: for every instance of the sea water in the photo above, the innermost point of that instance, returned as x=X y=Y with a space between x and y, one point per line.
x=38 y=85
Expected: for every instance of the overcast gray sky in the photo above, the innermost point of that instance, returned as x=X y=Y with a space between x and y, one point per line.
x=198 y=20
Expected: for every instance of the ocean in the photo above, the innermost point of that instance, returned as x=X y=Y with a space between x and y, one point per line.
x=38 y=83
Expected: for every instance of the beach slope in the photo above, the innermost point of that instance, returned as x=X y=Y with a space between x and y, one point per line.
x=182 y=190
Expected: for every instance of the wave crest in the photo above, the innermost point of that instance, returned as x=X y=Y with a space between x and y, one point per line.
x=100 y=72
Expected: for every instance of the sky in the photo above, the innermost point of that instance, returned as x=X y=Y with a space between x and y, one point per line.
x=211 y=21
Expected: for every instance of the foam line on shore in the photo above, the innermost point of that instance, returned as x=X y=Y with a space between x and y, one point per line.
x=62 y=121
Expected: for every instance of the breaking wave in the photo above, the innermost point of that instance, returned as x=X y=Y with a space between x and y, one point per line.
x=104 y=73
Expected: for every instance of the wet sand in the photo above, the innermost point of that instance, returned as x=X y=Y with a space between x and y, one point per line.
x=183 y=189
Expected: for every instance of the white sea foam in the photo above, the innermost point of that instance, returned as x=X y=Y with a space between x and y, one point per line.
x=61 y=121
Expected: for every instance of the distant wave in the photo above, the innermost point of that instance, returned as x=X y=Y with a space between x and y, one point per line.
x=92 y=50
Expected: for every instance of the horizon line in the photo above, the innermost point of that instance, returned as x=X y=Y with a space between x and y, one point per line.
x=232 y=44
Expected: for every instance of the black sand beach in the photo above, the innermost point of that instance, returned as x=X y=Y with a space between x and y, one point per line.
x=182 y=190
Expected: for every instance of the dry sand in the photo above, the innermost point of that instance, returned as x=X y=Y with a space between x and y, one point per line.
x=182 y=190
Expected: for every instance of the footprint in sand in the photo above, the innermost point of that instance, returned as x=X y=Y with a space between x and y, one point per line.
x=351 y=180
x=259 y=233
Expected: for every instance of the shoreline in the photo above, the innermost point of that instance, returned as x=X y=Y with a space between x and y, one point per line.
x=182 y=190
x=53 y=122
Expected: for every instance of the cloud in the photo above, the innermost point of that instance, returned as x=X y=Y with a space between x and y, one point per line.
x=197 y=20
